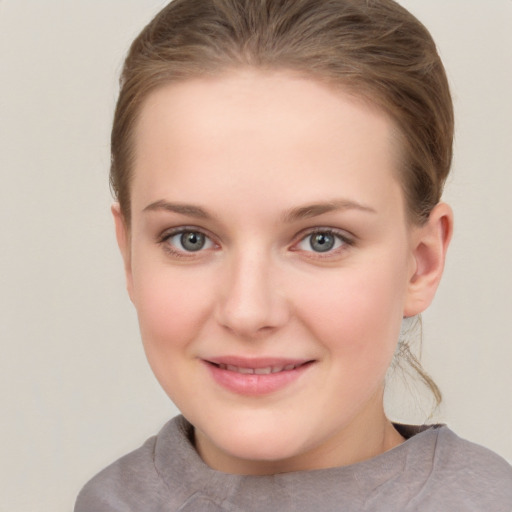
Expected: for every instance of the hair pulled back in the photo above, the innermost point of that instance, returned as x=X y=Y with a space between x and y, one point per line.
x=373 y=48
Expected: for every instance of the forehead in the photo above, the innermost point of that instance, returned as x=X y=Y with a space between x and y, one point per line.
x=251 y=131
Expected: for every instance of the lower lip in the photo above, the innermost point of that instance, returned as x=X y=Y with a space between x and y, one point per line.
x=255 y=384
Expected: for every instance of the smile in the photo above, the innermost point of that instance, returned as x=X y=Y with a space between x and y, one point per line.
x=256 y=377
x=258 y=371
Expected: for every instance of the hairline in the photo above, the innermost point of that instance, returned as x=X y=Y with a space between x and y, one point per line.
x=398 y=139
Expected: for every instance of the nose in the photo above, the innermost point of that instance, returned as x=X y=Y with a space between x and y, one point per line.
x=251 y=303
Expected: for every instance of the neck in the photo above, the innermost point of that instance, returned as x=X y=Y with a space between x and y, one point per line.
x=368 y=435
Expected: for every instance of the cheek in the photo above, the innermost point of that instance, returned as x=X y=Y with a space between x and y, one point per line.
x=171 y=306
x=356 y=314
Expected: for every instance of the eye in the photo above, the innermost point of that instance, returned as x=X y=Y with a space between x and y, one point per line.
x=322 y=241
x=188 y=241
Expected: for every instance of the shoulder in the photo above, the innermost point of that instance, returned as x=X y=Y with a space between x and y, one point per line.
x=130 y=481
x=164 y=474
x=464 y=472
x=477 y=463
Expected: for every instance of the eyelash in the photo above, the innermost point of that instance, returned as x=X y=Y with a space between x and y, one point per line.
x=165 y=238
x=339 y=236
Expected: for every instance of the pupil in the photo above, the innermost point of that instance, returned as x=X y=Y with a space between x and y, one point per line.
x=322 y=242
x=192 y=241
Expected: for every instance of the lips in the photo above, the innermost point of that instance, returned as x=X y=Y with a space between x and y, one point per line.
x=266 y=370
x=256 y=376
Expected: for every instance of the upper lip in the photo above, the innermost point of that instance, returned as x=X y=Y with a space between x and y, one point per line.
x=257 y=362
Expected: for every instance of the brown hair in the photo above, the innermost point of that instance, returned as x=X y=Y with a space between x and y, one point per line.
x=373 y=48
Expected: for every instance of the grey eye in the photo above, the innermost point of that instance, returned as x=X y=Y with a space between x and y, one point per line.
x=192 y=240
x=189 y=241
x=322 y=242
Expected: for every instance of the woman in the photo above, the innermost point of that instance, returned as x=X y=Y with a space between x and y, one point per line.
x=278 y=169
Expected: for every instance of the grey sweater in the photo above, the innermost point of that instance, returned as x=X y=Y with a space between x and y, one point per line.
x=433 y=471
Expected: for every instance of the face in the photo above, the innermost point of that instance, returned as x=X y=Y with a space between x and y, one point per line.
x=270 y=262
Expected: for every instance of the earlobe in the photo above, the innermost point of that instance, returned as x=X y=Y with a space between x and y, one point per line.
x=123 y=242
x=429 y=245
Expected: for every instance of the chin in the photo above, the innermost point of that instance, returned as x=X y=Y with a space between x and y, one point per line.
x=251 y=446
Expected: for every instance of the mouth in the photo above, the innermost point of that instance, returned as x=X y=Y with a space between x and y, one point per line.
x=255 y=377
x=265 y=370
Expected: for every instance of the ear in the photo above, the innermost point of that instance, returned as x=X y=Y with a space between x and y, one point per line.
x=123 y=241
x=429 y=245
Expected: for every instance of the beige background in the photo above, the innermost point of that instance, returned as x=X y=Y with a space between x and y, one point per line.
x=75 y=390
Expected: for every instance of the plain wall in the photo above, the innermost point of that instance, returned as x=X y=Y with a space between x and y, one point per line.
x=75 y=389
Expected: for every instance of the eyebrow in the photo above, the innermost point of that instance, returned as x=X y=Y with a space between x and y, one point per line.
x=315 y=209
x=298 y=213
x=183 y=209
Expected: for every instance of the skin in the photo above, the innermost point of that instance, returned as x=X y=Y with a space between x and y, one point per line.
x=248 y=153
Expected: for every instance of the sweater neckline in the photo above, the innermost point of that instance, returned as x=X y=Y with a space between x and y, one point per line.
x=176 y=460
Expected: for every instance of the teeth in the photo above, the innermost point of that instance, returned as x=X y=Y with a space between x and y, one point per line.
x=263 y=371
x=258 y=371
